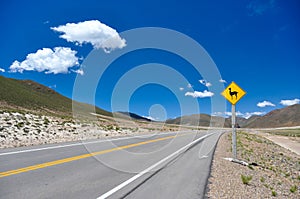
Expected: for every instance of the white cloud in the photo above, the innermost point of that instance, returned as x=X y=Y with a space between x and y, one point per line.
x=205 y=83
x=246 y=115
x=79 y=71
x=222 y=81
x=189 y=86
x=2 y=70
x=217 y=114
x=93 y=32
x=289 y=102
x=54 y=61
x=199 y=94
x=264 y=104
x=227 y=113
x=181 y=88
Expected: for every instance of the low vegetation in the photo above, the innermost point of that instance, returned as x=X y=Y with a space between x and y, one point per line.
x=246 y=179
x=28 y=96
x=271 y=167
x=293 y=189
x=285 y=132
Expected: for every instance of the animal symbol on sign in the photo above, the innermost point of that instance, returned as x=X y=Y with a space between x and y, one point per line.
x=232 y=93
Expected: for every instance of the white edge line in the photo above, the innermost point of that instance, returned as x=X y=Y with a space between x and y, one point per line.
x=120 y=186
x=81 y=143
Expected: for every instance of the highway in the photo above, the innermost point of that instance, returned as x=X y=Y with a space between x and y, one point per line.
x=165 y=165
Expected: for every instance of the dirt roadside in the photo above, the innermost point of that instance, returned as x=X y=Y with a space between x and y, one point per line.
x=277 y=174
x=292 y=144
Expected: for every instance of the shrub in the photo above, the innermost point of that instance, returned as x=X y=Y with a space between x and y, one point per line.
x=246 y=179
x=293 y=189
x=46 y=121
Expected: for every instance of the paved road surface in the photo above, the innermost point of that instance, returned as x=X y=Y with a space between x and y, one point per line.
x=170 y=165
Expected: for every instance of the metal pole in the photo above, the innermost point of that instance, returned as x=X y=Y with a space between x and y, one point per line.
x=233 y=132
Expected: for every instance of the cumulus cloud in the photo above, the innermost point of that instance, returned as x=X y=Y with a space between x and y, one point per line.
x=205 y=83
x=199 y=94
x=264 y=104
x=222 y=81
x=54 y=61
x=289 y=102
x=94 y=32
x=2 y=70
x=181 y=88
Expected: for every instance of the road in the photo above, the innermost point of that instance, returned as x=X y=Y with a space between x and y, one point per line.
x=290 y=143
x=167 y=165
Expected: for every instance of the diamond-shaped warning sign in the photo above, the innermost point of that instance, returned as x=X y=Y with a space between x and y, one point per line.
x=233 y=93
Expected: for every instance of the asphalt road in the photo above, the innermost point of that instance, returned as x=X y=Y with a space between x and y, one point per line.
x=169 y=165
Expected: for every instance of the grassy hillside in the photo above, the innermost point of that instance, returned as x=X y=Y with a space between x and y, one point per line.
x=29 y=95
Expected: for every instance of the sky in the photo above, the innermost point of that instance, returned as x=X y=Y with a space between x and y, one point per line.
x=254 y=43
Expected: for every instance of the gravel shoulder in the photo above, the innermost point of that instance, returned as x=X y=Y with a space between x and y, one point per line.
x=292 y=144
x=277 y=174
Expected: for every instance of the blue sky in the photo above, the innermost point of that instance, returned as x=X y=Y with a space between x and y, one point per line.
x=254 y=43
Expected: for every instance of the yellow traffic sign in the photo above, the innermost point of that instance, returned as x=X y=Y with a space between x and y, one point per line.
x=233 y=93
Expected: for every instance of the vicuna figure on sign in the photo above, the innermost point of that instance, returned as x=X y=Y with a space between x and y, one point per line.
x=232 y=93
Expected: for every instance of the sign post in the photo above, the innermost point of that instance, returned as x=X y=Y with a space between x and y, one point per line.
x=233 y=131
x=233 y=93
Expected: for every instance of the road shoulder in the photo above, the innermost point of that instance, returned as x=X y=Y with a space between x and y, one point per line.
x=286 y=142
x=277 y=174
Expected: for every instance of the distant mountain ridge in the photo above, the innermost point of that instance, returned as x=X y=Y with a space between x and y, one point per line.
x=285 y=117
x=197 y=120
x=29 y=95
x=131 y=115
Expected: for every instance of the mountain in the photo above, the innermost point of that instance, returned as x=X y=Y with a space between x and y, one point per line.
x=127 y=115
x=198 y=120
x=240 y=121
x=285 y=117
x=32 y=96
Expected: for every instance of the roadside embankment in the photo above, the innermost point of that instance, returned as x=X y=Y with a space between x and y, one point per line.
x=277 y=173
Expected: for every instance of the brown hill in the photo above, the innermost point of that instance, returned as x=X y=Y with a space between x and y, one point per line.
x=198 y=120
x=285 y=117
x=240 y=121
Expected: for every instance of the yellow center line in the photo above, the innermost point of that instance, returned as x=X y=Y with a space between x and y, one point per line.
x=70 y=159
